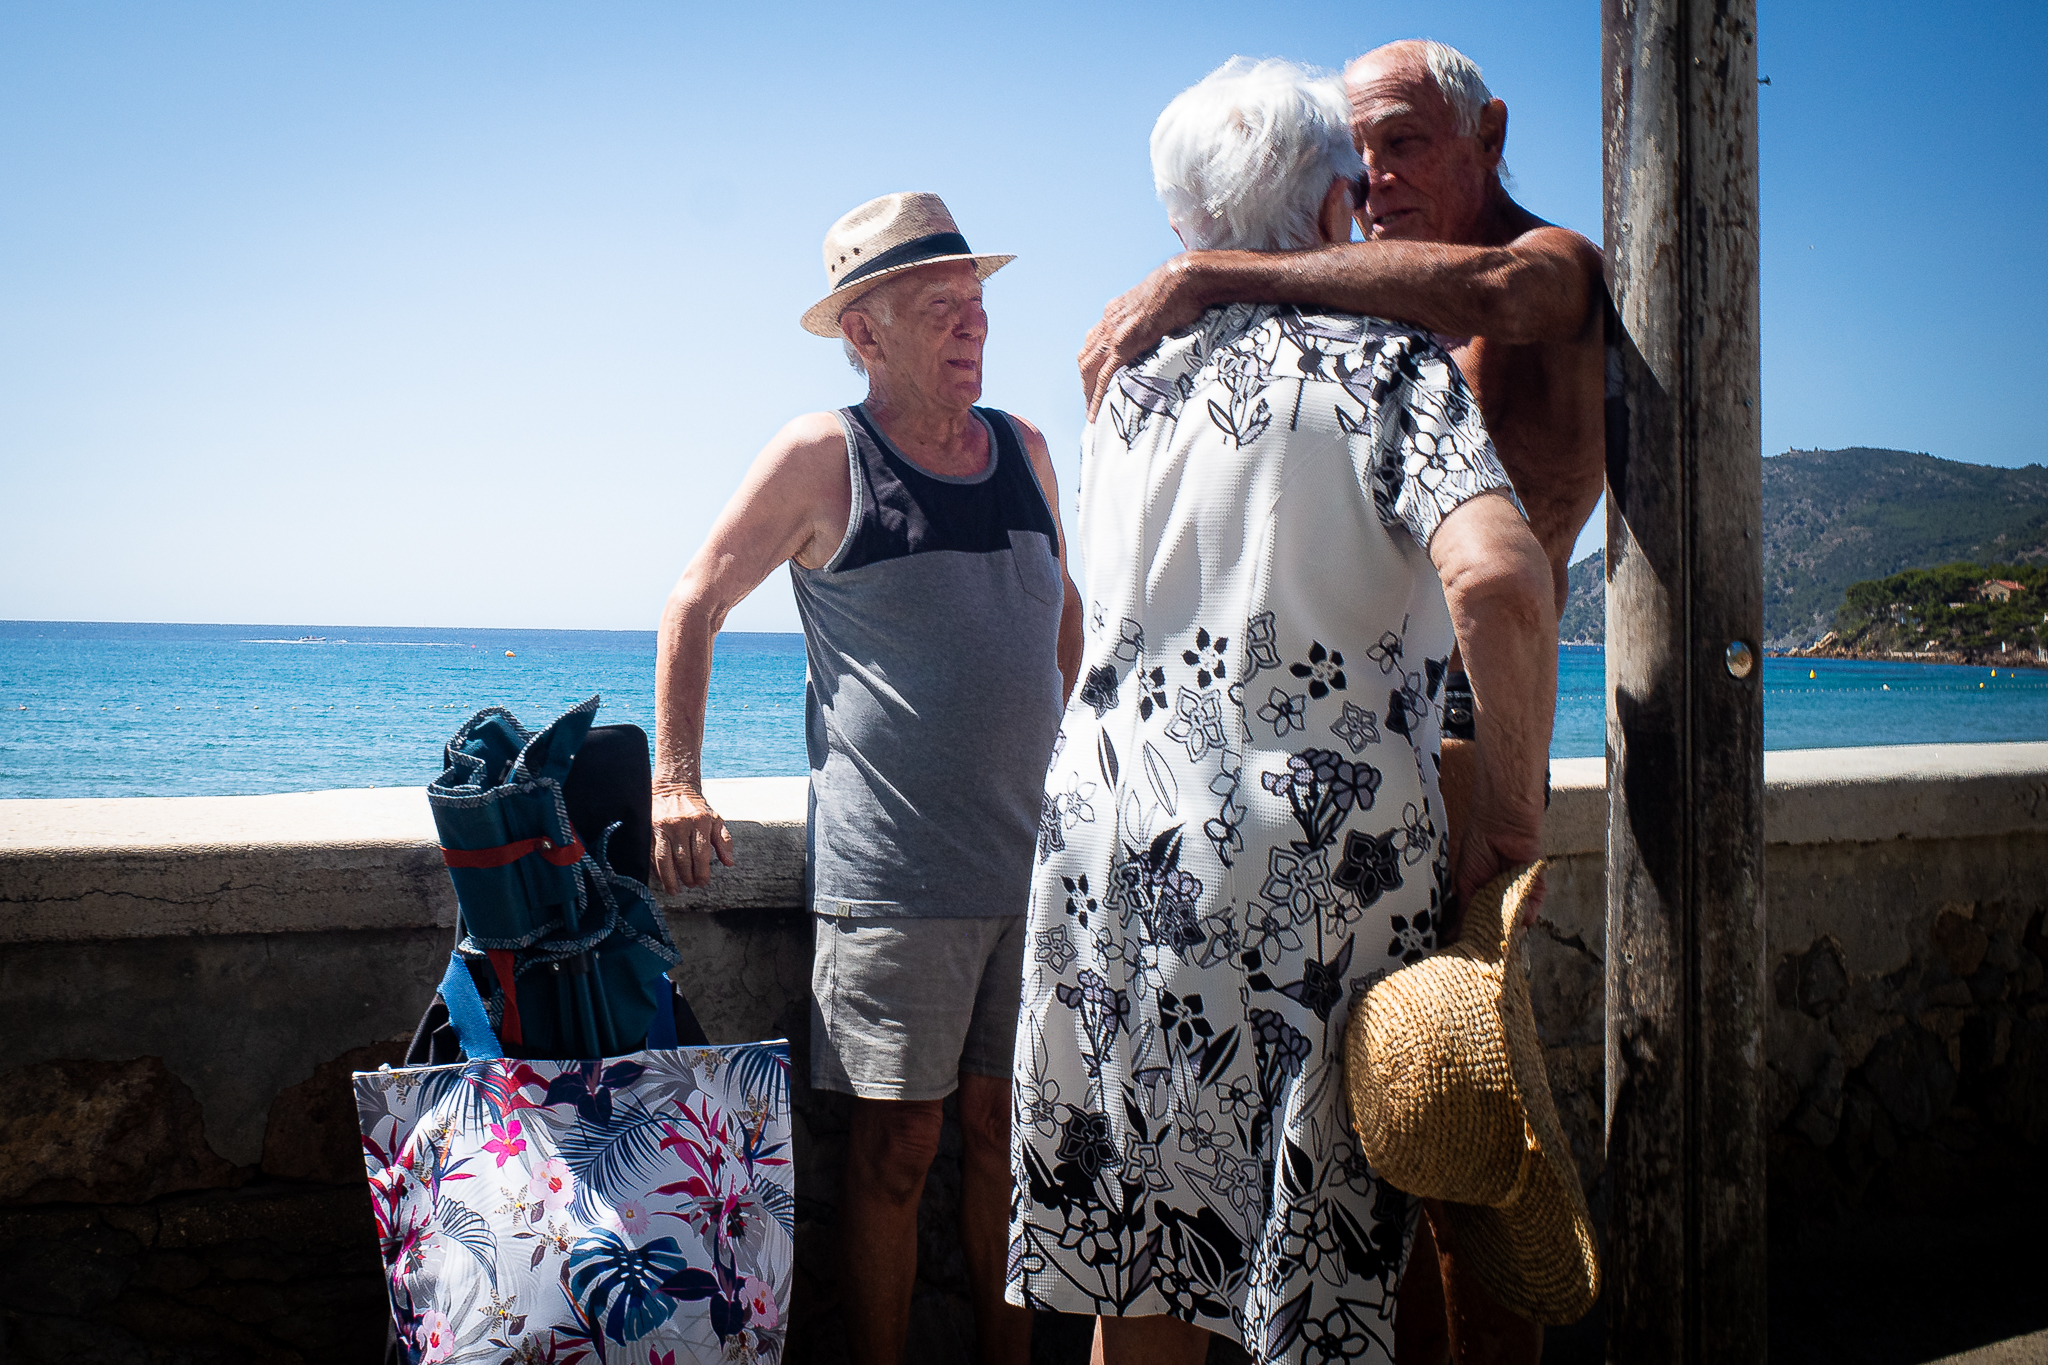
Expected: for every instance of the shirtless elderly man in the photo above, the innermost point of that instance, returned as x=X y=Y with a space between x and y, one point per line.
x=1519 y=303
x=923 y=541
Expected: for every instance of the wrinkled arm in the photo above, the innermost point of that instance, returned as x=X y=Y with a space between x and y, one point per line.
x=783 y=510
x=1538 y=288
x=1497 y=584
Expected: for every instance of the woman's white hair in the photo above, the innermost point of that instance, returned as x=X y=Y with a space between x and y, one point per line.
x=1243 y=158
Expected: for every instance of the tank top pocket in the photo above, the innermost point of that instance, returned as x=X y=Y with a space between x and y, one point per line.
x=1038 y=571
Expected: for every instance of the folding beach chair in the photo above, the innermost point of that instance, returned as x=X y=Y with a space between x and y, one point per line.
x=565 y=1169
x=606 y=791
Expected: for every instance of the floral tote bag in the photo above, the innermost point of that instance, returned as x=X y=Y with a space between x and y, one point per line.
x=637 y=1209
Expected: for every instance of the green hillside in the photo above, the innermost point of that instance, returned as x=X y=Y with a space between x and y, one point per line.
x=1944 y=610
x=1585 y=612
x=1836 y=517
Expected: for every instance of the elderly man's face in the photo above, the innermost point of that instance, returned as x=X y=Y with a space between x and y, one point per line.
x=931 y=346
x=1425 y=181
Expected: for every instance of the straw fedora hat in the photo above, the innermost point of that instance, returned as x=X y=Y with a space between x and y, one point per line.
x=886 y=237
x=1449 y=1096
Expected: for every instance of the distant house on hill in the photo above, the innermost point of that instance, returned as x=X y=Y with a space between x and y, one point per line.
x=1962 y=611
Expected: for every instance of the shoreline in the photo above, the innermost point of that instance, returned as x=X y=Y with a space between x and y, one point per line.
x=1966 y=658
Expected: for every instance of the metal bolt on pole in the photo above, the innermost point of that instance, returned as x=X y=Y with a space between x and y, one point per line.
x=1685 y=928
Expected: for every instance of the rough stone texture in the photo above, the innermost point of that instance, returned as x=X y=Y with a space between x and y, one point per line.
x=1913 y=1066
x=237 y=1017
x=313 y=1133
x=1907 y=1040
x=103 y=1132
x=2027 y=1350
x=273 y=1272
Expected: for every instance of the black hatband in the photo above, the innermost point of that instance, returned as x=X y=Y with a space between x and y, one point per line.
x=908 y=253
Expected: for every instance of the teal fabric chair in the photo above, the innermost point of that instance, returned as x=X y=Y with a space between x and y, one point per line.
x=564 y=955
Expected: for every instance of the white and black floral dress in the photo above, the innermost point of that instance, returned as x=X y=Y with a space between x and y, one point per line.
x=1241 y=829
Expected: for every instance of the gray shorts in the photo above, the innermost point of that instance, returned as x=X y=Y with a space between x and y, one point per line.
x=900 y=1007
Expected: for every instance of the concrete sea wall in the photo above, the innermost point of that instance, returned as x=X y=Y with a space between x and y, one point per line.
x=185 y=984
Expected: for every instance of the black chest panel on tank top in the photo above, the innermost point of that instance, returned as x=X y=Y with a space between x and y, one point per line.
x=905 y=511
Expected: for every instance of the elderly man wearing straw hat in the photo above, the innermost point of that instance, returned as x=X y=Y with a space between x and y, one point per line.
x=923 y=541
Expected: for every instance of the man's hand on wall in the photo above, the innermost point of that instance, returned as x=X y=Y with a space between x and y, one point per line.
x=687 y=832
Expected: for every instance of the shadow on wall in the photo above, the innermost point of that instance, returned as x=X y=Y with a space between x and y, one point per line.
x=1909 y=1111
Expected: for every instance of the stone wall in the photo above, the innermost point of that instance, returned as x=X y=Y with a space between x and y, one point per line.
x=1907 y=1038
x=185 y=984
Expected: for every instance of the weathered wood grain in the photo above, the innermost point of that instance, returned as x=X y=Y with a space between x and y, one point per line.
x=1685 y=971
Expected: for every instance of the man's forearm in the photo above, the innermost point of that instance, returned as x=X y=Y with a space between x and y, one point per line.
x=1507 y=294
x=682 y=681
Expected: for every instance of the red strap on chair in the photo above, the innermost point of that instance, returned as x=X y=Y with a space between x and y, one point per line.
x=501 y=963
x=561 y=855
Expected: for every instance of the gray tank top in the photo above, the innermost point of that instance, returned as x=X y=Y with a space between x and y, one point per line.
x=934 y=688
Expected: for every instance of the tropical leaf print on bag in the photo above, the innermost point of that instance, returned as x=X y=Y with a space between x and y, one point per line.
x=468 y=1228
x=757 y=1070
x=619 y=1284
x=630 y=1209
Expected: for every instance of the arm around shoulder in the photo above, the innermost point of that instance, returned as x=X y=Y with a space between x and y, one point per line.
x=1545 y=287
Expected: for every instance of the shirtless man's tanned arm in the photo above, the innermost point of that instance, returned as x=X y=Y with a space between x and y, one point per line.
x=1520 y=305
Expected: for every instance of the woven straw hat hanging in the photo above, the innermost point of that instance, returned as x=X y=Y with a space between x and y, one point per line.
x=1451 y=1102
x=885 y=237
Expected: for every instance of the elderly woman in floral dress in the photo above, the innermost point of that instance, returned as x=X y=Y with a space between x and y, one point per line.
x=1289 y=519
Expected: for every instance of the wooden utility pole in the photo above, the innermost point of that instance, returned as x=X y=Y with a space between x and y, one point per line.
x=1685 y=851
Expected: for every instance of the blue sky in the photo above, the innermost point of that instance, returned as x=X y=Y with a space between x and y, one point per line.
x=458 y=314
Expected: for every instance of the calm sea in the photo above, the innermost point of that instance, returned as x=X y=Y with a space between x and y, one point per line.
x=94 y=709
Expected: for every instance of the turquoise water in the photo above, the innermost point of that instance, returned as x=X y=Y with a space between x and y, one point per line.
x=1842 y=705
x=159 y=710
x=91 y=709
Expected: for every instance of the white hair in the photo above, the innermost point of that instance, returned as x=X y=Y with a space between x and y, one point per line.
x=1243 y=159
x=1457 y=76
x=876 y=307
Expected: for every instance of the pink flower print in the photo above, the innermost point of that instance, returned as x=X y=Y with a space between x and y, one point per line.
x=437 y=1341
x=505 y=1141
x=759 y=1296
x=552 y=1185
x=632 y=1216
x=655 y=1357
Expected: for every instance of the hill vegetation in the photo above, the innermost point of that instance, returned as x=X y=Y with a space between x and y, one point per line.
x=1836 y=517
x=1968 y=612
x=1584 y=621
